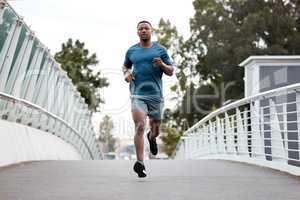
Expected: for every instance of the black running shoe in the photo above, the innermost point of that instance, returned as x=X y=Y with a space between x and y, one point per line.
x=139 y=168
x=153 y=144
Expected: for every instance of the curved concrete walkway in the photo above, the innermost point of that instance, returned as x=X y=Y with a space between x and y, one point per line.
x=167 y=180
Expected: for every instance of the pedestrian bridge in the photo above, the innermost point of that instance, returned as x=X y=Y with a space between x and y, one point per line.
x=263 y=129
x=43 y=119
x=42 y=115
x=171 y=179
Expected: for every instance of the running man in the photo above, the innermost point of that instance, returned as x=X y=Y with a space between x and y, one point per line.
x=144 y=65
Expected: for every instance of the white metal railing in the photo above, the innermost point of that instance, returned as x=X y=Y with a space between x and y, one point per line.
x=36 y=92
x=262 y=129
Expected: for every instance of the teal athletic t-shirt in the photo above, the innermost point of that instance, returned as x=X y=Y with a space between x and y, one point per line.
x=147 y=76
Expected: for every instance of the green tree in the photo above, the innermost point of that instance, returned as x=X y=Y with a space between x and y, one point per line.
x=106 y=137
x=168 y=36
x=228 y=31
x=170 y=134
x=223 y=34
x=170 y=137
x=79 y=65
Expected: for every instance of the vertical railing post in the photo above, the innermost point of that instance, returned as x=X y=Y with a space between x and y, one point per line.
x=18 y=72
x=241 y=133
x=285 y=131
x=276 y=138
x=220 y=136
x=298 y=122
x=248 y=128
x=32 y=74
x=185 y=147
x=206 y=140
x=212 y=136
x=8 y=52
x=16 y=76
x=200 y=144
x=191 y=145
x=229 y=135
x=40 y=86
x=256 y=124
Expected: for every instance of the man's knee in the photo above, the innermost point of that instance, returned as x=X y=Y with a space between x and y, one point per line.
x=140 y=127
x=154 y=126
x=155 y=123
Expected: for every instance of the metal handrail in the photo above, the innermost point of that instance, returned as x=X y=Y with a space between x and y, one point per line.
x=86 y=140
x=249 y=131
x=36 y=107
x=243 y=101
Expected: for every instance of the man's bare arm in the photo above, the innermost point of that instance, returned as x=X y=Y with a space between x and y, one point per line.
x=127 y=73
x=167 y=69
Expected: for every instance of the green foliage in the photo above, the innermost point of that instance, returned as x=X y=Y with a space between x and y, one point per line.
x=228 y=31
x=223 y=34
x=169 y=139
x=79 y=65
x=169 y=37
x=105 y=137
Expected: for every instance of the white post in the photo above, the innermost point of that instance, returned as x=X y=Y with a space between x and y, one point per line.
x=220 y=136
x=41 y=81
x=70 y=98
x=60 y=104
x=247 y=127
x=256 y=127
x=181 y=150
x=52 y=100
x=194 y=145
x=17 y=73
x=32 y=74
x=44 y=93
x=241 y=134
x=8 y=52
x=229 y=135
x=205 y=141
x=65 y=96
x=200 y=148
x=212 y=140
x=75 y=106
x=185 y=143
x=298 y=120
x=285 y=131
x=16 y=91
x=276 y=139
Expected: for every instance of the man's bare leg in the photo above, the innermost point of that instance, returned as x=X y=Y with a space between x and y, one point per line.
x=139 y=118
x=154 y=132
x=154 y=127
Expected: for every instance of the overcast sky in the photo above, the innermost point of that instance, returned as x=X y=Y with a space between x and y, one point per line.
x=108 y=28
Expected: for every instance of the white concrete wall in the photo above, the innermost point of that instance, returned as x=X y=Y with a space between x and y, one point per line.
x=21 y=143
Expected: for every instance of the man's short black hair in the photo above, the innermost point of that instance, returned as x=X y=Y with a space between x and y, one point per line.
x=144 y=21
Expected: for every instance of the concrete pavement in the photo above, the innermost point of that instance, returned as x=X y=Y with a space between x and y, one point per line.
x=167 y=179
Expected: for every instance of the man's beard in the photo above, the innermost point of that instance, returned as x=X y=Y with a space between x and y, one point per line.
x=145 y=39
